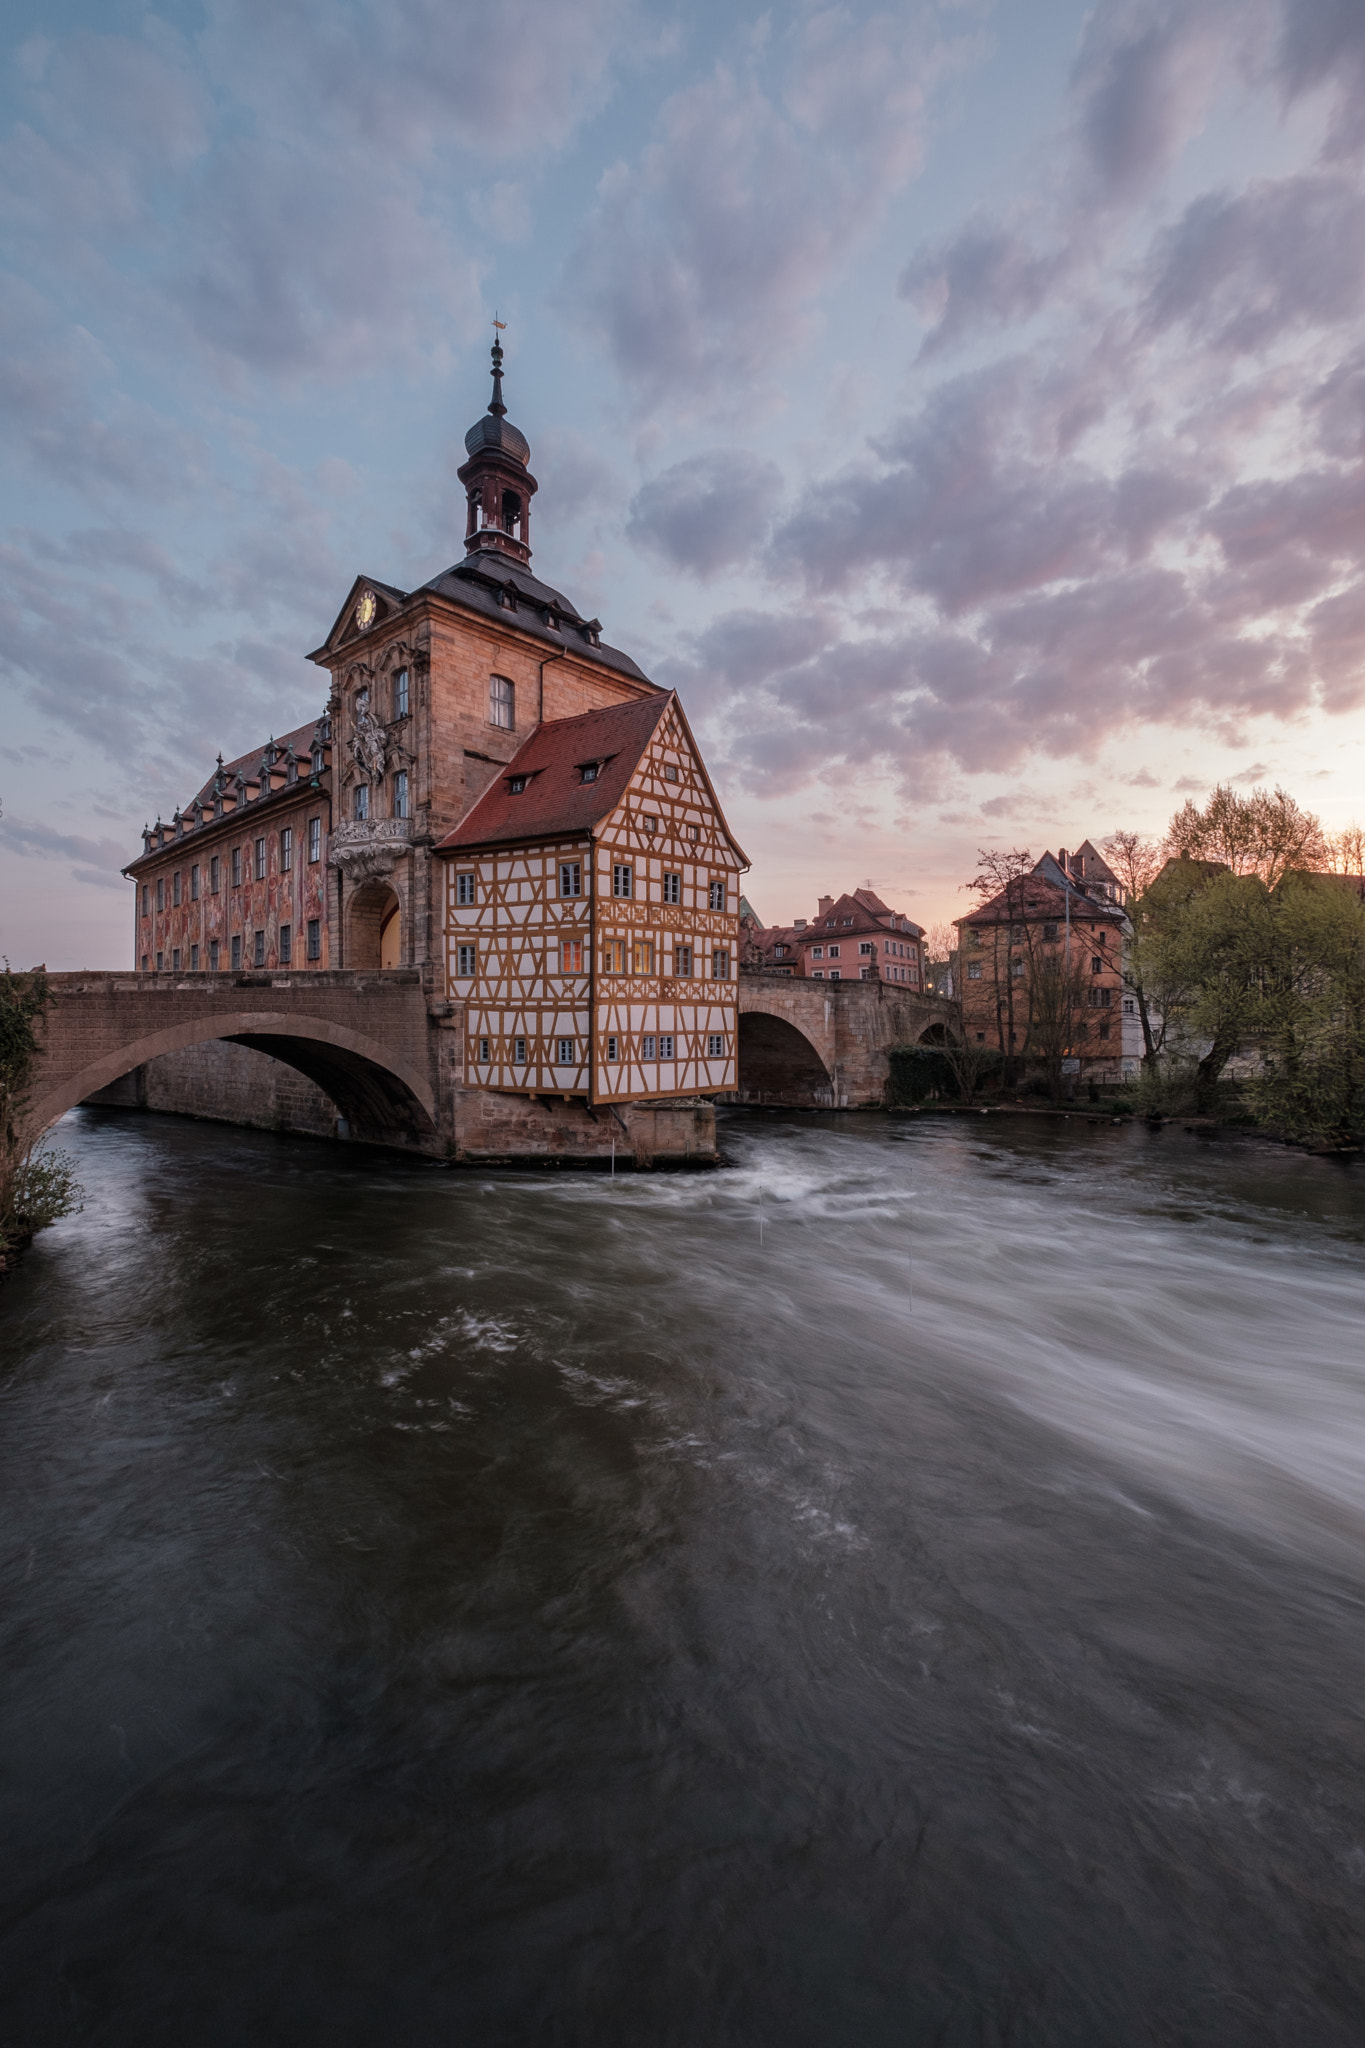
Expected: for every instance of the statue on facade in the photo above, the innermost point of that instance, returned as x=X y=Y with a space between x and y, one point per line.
x=368 y=744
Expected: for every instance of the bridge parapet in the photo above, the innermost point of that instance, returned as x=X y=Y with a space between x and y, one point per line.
x=827 y=1044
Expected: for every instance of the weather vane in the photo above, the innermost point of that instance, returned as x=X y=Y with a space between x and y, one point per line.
x=501 y=325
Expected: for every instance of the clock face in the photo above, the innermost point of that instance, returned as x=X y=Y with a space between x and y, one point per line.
x=365 y=610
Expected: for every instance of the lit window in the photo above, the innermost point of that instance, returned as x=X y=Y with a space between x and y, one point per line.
x=400 y=794
x=718 y=896
x=715 y=1045
x=647 y=1046
x=570 y=878
x=194 y=959
x=286 y=944
x=571 y=956
x=682 y=961
x=314 y=938
x=236 y=950
x=194 y=884
x=260 y=860
x=213 y=955
x=286 y=850
x=672 y=888
x=464 y=888
x=260 y=949
x=566 y=1052
x=175 y=960
x=642 y=956
x=622 y=880
x=501 y=703
x=314 y=839
x=612 y=1054
x=362 y=801
x=720 y=964
x=613 y=956
x=466 y=962
x=485 y=1051
x=666 y=1046
x=400 y=694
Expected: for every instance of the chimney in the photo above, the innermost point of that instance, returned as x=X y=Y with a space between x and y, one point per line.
x=800 y=925
x=825 y=902
x=1061 y=859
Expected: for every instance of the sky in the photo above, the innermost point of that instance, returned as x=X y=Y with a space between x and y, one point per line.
x=962 y=405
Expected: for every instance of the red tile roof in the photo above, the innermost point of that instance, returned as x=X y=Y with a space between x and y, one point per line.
x=556 y=800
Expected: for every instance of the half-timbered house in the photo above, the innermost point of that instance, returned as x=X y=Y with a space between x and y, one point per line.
x=592 y=914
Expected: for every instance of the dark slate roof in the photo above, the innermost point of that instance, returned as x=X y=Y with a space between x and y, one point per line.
x=556 y=800
x=538 y=608
x=492 y=432
x=249 y=765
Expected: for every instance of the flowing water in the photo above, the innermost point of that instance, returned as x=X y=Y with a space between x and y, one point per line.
x=903 y=1588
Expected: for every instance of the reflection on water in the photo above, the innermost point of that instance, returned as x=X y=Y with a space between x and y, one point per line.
x=544 y=1609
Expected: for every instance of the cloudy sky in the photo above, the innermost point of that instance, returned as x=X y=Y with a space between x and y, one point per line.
x=962 y=404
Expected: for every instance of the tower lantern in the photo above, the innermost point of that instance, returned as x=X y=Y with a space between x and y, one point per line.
x=498 y=485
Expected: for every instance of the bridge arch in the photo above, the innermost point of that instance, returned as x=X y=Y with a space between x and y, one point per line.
x=778 y=1064
x=936 y=1034
x=381 y=1097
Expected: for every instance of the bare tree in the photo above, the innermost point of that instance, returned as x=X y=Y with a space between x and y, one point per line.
x=1004 y=875
x=1346 y=850
x=1135 y=860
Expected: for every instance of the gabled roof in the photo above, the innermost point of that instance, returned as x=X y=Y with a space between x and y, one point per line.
x=556 y=800
x=856 y=913
x=1043 y=893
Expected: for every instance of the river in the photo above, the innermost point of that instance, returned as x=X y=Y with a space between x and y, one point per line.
x=902 y=1588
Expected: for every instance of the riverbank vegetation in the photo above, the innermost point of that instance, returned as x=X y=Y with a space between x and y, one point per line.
x=36 y=1187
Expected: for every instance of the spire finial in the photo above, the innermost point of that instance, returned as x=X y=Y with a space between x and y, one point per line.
x=495 y=404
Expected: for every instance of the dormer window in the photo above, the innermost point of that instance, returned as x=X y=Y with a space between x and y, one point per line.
x=516 y=784
x=588 y=771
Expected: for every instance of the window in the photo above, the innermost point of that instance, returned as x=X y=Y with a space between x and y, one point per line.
x=973 y=937
x=361 y=805
x=1101 y=998
x=485 y=1051
x=260 y=949
x=286 y=944
x=651 y=825
x=682 y=961
x=317 y=760
x=175 y=960
x=718 y=896
x=672 y=888
x=464 y=888
x=236 y=951
x=834 y=952
x=817 y=974
x=1050 y=934
x=144 y=963
x=213 y=955
x=720 y=964
x=516 y=784
x=194 y=959
x=400 y=694
x=864 y=945
x=613 y=956
x=973 y=970
x=642 y=956
x=779 y=952
x=981 y=1038
x=571 y=956
x=400 y=794
x=588 y=771
x=145 y=893
x=571 y=878
x=160 y=893
x=612 y=1054
x=647 y=1046
x=817 y=952
x=314 y=839
x=566 y=1052
x=175 y=888
x=670 y=772
x=194 y=883
x=694 y=831
x=1104 y=1028
x=863 y=973
x=260 y=860
x=836 y=974
x=159 y=959
x=236 y=867
x=466 y=961
x=1017 y=969
x=501 y=703
x=913 y=951
x=666 y=1046
x=715 y=1045
x=314 y=938
x=622 y=880
x=287 y=850
x=1129 y=1006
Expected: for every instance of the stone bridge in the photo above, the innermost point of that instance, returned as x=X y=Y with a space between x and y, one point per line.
x=826 y=1044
